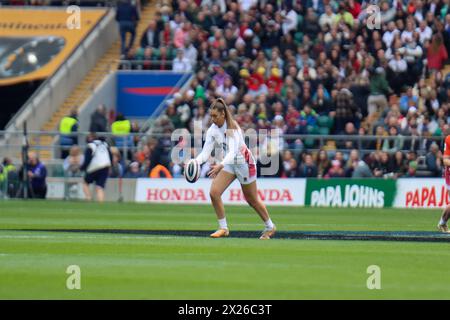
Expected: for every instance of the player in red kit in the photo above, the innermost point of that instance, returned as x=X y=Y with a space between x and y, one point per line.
x=442 y=226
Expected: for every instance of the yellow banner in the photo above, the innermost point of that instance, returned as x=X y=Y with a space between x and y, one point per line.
x=34 y=42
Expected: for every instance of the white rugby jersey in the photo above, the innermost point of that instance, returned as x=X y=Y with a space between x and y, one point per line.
x=100 y=156
x=234 y=148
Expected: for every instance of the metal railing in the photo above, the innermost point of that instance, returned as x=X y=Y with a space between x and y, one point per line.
x=133 y=142
x=141 y=64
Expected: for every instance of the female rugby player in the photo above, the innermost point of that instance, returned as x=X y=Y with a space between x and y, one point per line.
x=237 y=163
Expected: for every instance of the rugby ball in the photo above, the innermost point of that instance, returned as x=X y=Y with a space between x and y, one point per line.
x=192 y=171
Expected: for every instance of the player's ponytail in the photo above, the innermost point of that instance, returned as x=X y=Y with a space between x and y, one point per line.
x=220 y=105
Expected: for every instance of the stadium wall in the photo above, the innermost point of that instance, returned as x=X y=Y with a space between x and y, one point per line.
x=351 y=193
x=55 y=89
x=105 y=93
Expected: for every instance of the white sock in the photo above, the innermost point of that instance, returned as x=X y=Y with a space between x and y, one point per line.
x=442 y=222
x=269 y=224
x=223 y=223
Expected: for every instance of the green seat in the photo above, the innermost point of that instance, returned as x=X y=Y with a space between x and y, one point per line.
x=323 y=121
x=299 y=22
x=140 y=54
x=331 y=123
x=298 y=37
x=156 y=53
x=312 y=130
x=309 y=143
x=326 y=122
x=324 y=131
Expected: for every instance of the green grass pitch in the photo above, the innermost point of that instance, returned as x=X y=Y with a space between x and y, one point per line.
x=128 y=266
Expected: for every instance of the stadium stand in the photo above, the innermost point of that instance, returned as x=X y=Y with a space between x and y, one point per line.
x=319 y=67
x=313 y=70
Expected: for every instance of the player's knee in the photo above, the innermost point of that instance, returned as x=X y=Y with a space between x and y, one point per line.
x=252 y=201
x=214 y=194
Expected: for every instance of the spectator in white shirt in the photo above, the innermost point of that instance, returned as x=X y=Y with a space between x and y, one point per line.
x=181 y=63
x=411 y=51
x=327 y=18
x=247 y=4
x=176 y=22
x=190 y=52
x=227 y=89
x=424 y=31
x=408 y=33
x=398 y=64
x=289 y=19
x=389 y=35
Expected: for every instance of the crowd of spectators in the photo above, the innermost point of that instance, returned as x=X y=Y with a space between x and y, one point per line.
x=309 y=67
x=313 y=67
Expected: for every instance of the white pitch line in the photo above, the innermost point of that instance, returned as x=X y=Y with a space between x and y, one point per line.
x=100 y=236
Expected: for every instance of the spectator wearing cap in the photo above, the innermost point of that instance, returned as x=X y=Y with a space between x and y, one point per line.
x=275 y=81
x=336 y=170
x=133 y=171
x=256 y=83
x=412 y=169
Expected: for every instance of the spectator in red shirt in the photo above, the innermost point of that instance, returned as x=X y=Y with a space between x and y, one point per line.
x=275 y=81
x=354 y=7
x=437 y=54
